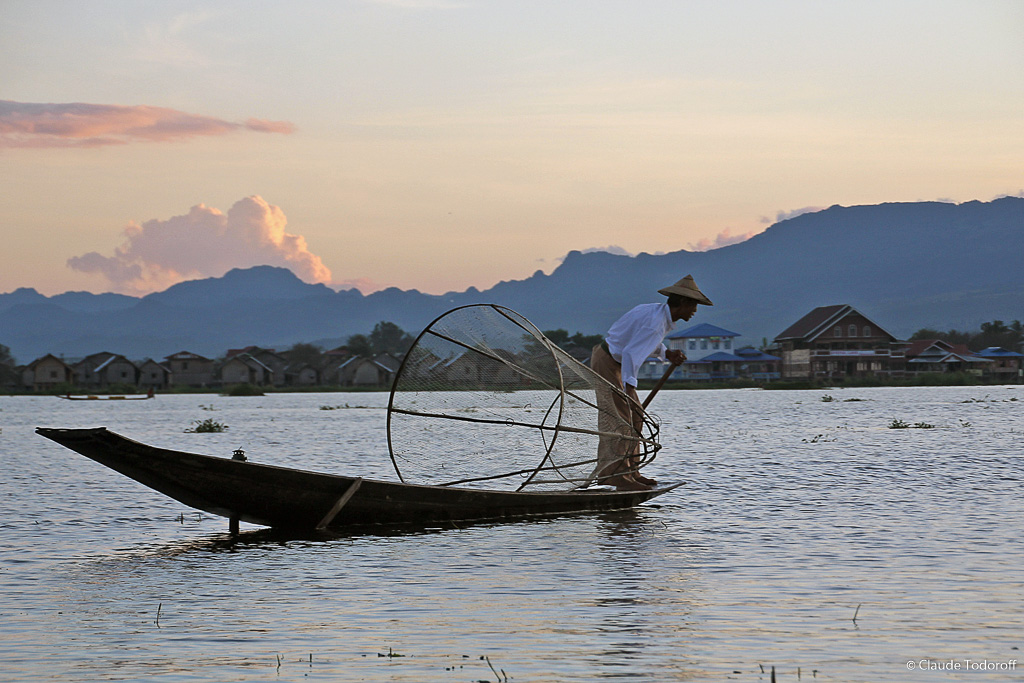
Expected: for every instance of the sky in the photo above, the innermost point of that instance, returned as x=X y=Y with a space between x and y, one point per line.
x=442 y=144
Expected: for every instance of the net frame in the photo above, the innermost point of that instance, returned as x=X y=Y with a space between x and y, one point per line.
x=569 y=382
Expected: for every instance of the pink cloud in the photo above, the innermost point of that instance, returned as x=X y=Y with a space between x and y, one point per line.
x=722 y=239
x=203 y=243
x=76 y=124
x=264 y=126
x=786 y=215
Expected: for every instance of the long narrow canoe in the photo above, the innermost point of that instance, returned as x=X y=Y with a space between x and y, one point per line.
x=93 y=397
x=288 y=498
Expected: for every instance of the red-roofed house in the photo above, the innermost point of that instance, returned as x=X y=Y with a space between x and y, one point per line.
x=833 y=342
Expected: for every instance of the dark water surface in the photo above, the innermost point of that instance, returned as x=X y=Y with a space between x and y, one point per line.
x=798 y=515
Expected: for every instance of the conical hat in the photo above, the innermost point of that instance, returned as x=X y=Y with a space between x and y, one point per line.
x=688 y=288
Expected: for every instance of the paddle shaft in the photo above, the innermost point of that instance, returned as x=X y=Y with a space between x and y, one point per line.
x=659 y=385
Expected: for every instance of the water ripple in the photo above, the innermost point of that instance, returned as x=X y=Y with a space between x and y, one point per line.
x=798 y=514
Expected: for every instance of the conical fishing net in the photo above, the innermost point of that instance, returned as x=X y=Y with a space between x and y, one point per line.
x=483 y=398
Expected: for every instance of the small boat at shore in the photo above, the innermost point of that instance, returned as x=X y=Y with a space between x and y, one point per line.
x=94 y=397
x=286 y=498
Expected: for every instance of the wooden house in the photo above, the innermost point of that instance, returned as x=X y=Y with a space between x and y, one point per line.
x=273 y=361
x=368 y=372
x=462 y=368
x=301 y=375
x=245 y=368
x=757 y=364
x=1006 y=365
x=334 y=370
x=936 y=355
x=832 y=342
x=190 y=370
x=468 y=368
x=47 y=373
x=153 y=375
x=104 y=369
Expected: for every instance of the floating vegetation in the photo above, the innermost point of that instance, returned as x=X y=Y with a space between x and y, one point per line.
x=346 y=407
x=820 y=438
x=986 y=399
x=900 y=424
x=207 y=426
x=244 y=390
x=828 y=398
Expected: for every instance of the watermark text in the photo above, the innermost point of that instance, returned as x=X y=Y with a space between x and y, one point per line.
x=961 y=665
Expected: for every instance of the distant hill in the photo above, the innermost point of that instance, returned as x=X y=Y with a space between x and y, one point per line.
x=906 y=266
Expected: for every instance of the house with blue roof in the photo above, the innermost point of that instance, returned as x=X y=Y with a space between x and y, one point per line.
x=710 y=355
x=1006 y=365
x=700 y=340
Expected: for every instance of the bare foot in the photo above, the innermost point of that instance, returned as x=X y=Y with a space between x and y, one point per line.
x=626 y=483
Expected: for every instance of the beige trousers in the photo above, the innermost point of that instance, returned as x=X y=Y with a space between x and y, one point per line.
x=616 y=415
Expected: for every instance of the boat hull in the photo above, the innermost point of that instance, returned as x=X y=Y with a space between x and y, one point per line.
x=281 y=497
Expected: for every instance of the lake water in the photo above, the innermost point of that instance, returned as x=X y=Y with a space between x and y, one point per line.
x=799 y=514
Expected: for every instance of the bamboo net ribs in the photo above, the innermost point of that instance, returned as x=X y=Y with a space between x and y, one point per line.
x=484 y=398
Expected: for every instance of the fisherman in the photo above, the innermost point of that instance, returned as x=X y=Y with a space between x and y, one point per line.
x=633 y=338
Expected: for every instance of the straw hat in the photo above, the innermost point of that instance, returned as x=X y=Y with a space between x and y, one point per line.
x=688 y=288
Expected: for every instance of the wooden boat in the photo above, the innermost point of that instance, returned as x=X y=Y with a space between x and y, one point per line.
x=287 y=498
x=93 y=397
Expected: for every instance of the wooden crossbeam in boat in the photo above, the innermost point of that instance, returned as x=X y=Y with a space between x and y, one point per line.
x=340 y=503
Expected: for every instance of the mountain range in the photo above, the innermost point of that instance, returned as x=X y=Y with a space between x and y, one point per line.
x=906 y=266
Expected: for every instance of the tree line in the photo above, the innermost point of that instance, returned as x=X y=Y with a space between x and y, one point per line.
x=7 y=374
x=995 y=333
x=386 y=337
x=389 y=338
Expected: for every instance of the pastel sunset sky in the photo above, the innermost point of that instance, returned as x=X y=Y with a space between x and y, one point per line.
x=443 y=144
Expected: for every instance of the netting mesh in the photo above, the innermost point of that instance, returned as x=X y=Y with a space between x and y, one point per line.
x=483 y=398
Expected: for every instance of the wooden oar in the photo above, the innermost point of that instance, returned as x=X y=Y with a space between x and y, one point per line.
x=659 y=385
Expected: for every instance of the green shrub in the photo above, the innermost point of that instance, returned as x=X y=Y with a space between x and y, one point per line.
x=244 y=390
x=207 y=426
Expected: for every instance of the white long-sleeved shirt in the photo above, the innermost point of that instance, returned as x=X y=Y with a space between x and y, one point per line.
x=637 y=336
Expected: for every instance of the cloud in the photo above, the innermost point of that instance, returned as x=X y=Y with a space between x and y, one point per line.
x=786 y=215
x=722 y=239
x=423 y=4
x=203 y=243
x=611 y=249
x=363 y=284
x=27 y=124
